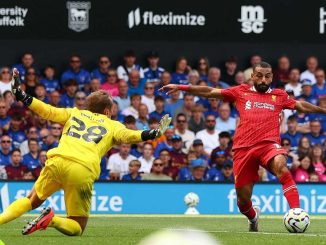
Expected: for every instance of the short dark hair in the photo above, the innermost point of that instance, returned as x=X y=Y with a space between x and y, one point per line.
x=15 y=150
x=70 y=82
x=32 y=140
x=292 y=118
x=164 y=149
x=158 y=98
x=134 y=96
x=224 y=134
x=262 y=64
x=181 y=115
x=129 y=119
x=152 y=120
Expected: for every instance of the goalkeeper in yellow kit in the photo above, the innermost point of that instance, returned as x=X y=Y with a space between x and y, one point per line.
x=75 y=164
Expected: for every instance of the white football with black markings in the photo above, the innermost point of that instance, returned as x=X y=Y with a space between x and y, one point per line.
x=296 y=220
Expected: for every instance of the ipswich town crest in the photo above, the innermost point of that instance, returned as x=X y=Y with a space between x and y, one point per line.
x=78 y=15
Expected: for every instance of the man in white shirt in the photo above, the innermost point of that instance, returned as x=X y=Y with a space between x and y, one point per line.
x=148 y=97
x=181 y=125
x=147 y=158
x=123 y=99
x=134 y=106
x=312 y=65
x=294 y=83
x=118 y=163
x=225 y=122
x=129 y=65
x=209 y=135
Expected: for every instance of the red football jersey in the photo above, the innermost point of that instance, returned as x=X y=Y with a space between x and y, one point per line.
x=259 y=114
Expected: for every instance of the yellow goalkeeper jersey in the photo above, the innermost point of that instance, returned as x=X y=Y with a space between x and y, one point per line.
x=86 y=136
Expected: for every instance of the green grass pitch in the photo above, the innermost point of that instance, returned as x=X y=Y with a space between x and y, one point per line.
x=130 y=229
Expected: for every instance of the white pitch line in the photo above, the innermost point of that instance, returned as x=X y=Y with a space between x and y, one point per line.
x=252 y=233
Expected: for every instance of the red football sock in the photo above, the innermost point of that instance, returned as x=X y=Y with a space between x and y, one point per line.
x=290 y=190
x=247 y=210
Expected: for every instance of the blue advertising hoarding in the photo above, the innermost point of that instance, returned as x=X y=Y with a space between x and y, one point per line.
x=167 y=198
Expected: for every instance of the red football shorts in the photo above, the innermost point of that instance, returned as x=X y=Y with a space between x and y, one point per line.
x=246 y=161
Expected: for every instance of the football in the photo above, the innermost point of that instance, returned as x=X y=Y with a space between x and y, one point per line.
x=191 y=199
x=296 y=220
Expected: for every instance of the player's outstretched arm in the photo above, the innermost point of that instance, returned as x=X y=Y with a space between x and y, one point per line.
x=307 y=107
x=203 y=91
x=46 y=111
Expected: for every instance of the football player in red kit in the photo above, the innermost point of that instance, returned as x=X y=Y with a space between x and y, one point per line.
x=257 y=138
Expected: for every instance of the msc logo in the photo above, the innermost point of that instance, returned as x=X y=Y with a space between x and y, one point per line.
x=135 y=18
x=252 y=19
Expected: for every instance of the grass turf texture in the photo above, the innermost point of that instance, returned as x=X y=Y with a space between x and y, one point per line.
x=130 y=229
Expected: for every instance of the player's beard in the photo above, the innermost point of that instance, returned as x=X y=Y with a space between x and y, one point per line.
x=210 y=127
x=261 y=88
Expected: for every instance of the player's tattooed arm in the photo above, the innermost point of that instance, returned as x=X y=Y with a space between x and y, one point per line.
x=203 y=91
x=307 y=107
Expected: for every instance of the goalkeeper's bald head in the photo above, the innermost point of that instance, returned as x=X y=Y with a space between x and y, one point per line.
x=99 y=102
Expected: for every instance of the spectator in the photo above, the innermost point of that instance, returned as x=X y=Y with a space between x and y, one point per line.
x=282 y=72
x=157 y=172
x=198 y=148
x=116 y=113
x=130 y=122
x=319 y=88
x=292 y=132
x=224 y=139
x=166 y=144
x=40 y=92
x=213 y=107
x=80 y=100
x=118 y=163
x=159 y=112
x=16 y=134
x=188 y=105
x=48 y=140
x=129 y=65
x=56 y=130
x=5 y=154
x=307 y=92
x=320 y=117
x=316 y=136
x=294 y=82
x=111 y=83
x=55 y=99
x=142 y=120
x=214 y=75
x=137 y=149
x=4 y=118
x=195 y=172
x=225 y=122
x=178 y=158
x=153 y=72
x=318 y=160
x=134 y=106
x=209 y=135
x=148 y=97
x=193 y=77
x=49 y=81
x=301 y=173
x=102 y=70
x=173 y=103
x=95 y=85
x=147 y=158
x=43 y=158
x=67 y=99
x=165 y=80
x=16 y=107
x=16 y=169
x=77 y=73
x=197 y=121
x=133 y=173
x=313 y=177
x=240 y=78
x=254 y=59
x=27 y=61
x=203 y=67
x=104 y=174
x=31 y=134
x=292 y=158
x=30 y=82
x=5 y=78
x=136 y=85
x=228 y=75
x=31 y=159
x=28 y=175
x=309 y=74
x=227 y=171
x=181 y=128
x=123 y=99
x=304 y=146
x=180 y=76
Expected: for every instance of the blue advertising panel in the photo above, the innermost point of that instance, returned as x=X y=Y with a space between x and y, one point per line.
x=167 y=198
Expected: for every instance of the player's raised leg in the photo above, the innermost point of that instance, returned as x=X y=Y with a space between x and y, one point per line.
x=278 y=166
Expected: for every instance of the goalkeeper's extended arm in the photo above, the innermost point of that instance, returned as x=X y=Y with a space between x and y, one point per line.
x=19 y=93
x=159 y=131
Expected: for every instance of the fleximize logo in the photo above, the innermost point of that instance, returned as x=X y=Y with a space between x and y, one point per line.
x=135 y=18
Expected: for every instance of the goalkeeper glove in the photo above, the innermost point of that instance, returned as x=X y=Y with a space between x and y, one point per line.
x=16 y=90
x=159 y=131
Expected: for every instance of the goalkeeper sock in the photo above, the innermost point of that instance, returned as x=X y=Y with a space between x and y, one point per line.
x=15 y=210
x=66 y=226
x=290 y=190
x=247 y=210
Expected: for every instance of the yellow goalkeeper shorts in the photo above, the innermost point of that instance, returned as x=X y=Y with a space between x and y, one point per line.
x=76 y=181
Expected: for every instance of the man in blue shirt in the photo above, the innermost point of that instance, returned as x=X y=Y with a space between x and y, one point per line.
x=153 y=72
x=103 y=67
x=5 y=154
x=17 y=135
x=27 y=62
x=195 y=172
x=307 y=92
x=51 y=84
x=159 y=108
x=67 y=99
x=292 y=133
x=77 y=73
x=315 y=136
x=214 y=75
x=133 y=174
x=4 y=118
x=136 y=85
x=31 y=159
x=319 y=88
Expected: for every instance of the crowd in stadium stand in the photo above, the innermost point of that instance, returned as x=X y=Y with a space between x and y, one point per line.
x=196 y=147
